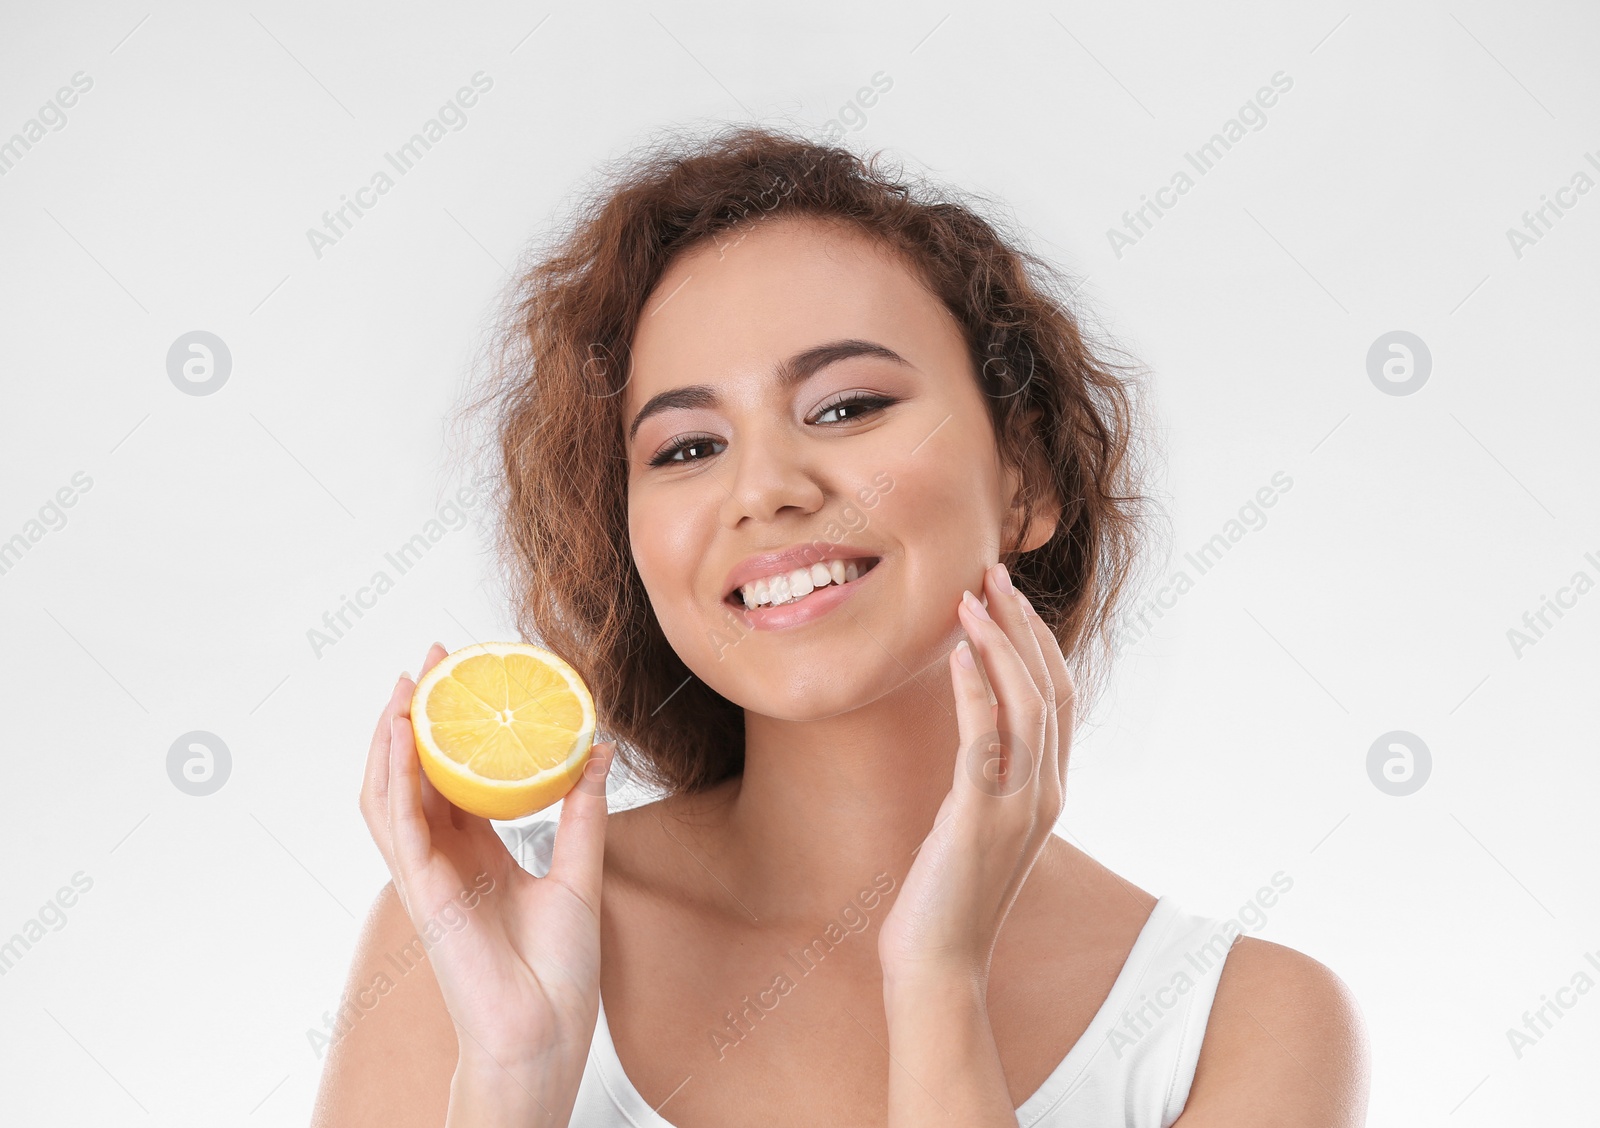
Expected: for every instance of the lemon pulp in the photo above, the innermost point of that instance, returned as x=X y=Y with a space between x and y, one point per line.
x=503 y=729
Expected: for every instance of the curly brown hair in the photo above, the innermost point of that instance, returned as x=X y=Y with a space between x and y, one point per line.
x=560 y=362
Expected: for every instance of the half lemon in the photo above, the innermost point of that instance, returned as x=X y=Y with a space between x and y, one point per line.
x=503 y=729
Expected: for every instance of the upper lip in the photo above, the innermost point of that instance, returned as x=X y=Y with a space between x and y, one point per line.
x=788 y=559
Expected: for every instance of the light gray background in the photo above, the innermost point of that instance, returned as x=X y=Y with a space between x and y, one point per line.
x=219 y=529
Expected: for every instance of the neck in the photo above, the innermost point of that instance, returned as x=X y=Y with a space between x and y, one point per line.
x=824 y=807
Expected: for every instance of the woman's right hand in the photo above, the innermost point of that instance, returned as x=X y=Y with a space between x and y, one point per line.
x=516 y=957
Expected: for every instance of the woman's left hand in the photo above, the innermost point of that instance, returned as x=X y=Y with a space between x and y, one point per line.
x=1007 y=793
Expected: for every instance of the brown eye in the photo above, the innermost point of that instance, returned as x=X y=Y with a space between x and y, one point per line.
x=687 y=443
x=865 y=404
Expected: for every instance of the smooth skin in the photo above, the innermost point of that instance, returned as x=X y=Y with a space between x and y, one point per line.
x=866 y=737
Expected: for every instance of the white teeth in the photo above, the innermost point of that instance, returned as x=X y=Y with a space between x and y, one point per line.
x=786 y=587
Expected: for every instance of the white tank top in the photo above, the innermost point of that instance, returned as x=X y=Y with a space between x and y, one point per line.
x=1133 y=1066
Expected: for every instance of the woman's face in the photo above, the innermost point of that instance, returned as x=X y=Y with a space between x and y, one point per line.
x=746 y=445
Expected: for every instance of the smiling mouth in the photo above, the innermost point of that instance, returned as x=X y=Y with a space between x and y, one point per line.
x=798 y=585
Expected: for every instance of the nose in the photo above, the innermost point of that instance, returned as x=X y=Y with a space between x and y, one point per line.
x=769 y=473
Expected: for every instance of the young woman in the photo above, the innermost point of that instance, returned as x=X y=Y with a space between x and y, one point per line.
x=829 y=502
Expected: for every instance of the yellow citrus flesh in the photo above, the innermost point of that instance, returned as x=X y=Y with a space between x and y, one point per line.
x=503 y=729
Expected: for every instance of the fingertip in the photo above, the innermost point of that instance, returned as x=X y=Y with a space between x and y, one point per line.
x=974 y=607
x=595 y=773
x=606 y=753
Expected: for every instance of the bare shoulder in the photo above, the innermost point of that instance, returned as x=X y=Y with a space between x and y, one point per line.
x=1285 y=1045
x=1083 y=902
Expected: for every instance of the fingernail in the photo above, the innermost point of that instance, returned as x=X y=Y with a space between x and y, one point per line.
x=964 y=655
x=975 y=606
x=1002 y=579
x=403 y=676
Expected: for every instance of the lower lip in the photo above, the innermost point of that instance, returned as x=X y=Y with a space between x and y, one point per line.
x=818 y=603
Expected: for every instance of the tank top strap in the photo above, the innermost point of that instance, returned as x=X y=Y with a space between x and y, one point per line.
x=1135 y=1063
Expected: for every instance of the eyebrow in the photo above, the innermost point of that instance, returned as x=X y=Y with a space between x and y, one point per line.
x=796 y=369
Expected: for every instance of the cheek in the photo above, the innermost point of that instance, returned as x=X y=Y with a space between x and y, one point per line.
x=656 y=555
x=941 y=505
x=668 y=524
x=668 y=543
x=933 y=512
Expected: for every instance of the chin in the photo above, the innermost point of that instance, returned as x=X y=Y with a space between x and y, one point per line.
x=803 y=698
